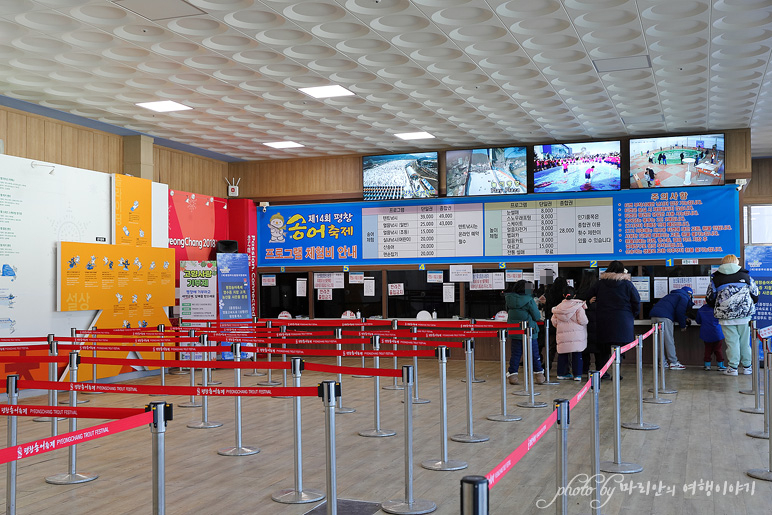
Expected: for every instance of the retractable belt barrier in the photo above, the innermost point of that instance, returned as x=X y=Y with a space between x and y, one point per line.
x=223 y=391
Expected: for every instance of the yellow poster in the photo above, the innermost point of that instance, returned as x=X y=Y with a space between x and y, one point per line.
x=133 y=214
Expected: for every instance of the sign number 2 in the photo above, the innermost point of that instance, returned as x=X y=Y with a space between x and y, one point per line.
x=593 y=264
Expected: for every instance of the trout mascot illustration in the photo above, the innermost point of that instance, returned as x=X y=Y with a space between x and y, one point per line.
x=276 y=225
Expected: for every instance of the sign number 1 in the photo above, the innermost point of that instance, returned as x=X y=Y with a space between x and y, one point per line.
x=668 y=262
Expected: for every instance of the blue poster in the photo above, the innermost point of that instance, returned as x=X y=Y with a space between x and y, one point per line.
x=233 y=288
x=656 y=224
x=758 y=261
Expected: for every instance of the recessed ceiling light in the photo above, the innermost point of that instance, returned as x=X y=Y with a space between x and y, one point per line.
x=653 y=118
x=414 y=135
x=327 y=91
x=283 y=144
x=164 y=106
x=617 y=64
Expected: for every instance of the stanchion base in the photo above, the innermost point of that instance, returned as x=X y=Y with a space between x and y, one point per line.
x=92 y=393
x=620 y=468
x=67 y=403
x=238 y=451
x=70 y=479
x=551 y=383
x=403 y=507
x=344 y=409
x=214 y=383
x=763 y=474
x=530 y=404
x=281 y=397
x=394 y=387
x=764 y=435
x=666 y=392
x=639 y=426
x=363 y=377
x=254 y=374
x=474 y=380
x=444 y=465
x=657 y=400
x=523 y=393
x=205 y=425
x=377 y=433
x=418 y=400
x=154 y=394
x=747 y=392
x=47 y=419
x=291 y=496
x=178 y=371
x=268 y=383
x=504 y=418
x=758 y=411
x=189 y=405
x=464 y=438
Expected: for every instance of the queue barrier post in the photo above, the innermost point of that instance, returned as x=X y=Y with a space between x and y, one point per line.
x=73 y=335
x=268 y=381
x=93 y=373
x=639 y=424
x=547 y=362
x=72 y=477
x=475 y=379
x=179 y=371
x=503 y=416
x=595 y=503
x=408 y=505
x=395 y=386
x=52 y=400
x=618 y=466
x=283 y=332
x=255 y=372
x=238 y=449
x=764 y=434
x=338 y=334
x=161 y=328
x=11 y=383
x=561 y=459
x=765 y=474
x=210 y=356
x=662 y=360
x=328 y=391
x=474 y=496
x=365 y=376
x=162 y=414
x=755 y=376
x=416 y=398
x=376 y=431
x=205 y=422
x=297 y=495
x=655 y=355
x=443 y=463
x=528 y=390
x=192 y=403
x=528 y=363
x=469 y=436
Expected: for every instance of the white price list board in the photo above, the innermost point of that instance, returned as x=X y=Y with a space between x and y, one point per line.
x=550 y=227
x=422 y=231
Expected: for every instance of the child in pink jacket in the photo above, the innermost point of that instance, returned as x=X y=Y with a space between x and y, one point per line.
x=570 y=322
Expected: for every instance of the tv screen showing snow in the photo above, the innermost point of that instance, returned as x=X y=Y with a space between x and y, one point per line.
x=400 y=176
x=486 y=171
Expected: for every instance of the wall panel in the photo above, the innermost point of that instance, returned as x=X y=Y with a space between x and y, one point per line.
x=759 y=190
x=189 y=172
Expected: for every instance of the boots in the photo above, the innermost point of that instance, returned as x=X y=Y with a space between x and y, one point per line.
x=513 y=379
x=538 y=378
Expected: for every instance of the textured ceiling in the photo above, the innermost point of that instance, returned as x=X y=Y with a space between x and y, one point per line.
x=471 y=72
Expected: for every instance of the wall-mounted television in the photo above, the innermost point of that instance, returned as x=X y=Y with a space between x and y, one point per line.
x=486 y=171
x=400 y=176
x=591 y=166
x=676 y=161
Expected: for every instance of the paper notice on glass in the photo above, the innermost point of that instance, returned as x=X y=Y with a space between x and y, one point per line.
x=642 y=284
x=396 y=289
x=545 y=273
x=512 y=276
x=435 y=276
x=356 y=277
x=498 y=280
x=481 y=281
x=369 y=287
x=268 y=280
x=528 y=276
x=329 y=280
x=701 y=284
x=660 y=287
x=448 y=292
x=324 y=294
x=461 y=273
x=301 y=287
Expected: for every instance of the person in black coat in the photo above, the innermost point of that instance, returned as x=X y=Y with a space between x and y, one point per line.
x=553 y=296
x=589 y=279
x=617 y=303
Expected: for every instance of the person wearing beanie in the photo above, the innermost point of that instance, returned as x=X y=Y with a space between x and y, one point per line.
x=732 y=293
x=672 y=308
x=712 y=336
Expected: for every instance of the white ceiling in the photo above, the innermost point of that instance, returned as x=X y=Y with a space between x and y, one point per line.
x=471 y=72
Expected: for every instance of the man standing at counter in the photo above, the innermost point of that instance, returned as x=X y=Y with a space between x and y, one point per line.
x=673 y=307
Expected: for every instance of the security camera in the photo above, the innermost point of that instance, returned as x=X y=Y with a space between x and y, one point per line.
x=264 y=205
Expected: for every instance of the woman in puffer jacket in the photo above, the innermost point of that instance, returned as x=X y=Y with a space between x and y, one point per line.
x=570 y=322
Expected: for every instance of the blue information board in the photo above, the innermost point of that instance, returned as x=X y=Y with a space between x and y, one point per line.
x=758 y=261
x=234 y=292
x=657 y=223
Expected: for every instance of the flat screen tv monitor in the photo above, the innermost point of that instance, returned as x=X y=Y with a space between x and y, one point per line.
x=486 y=171
x=677 y=161
x=565 y=167
x=400 y=176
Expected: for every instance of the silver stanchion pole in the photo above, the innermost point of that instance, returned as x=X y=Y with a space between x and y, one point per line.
x=162 y=413
x=408 y=505
x=595 y=503
x=767 y=405
x=656 y=399
x=765 y=474
x=561 y=461
x=528 y=357
x=339 y=361
x=443 y=463
x=283 y=332
x=394 y=386
x=475 y=379
x=255 y=372
x=268 y=381
x=755 y=376
x=547 y=364
x=73 y=334
x=662 y=360
x=205 y=422
x=179 y=371
x=72 y=477
x=376 y=431
x=10 y=476
x=639 y=424
x=503 y=416
x=52 y=400
x=474 y=496
x=469 y=436
x=238 y=449
x=528 y=389
x=93 y=373
x=297 y=495
x=161 y=329
x=361 y=376
x=211 y=356
x=618 y=466
x=328 y=390
x=192 y=403
x=416 y=398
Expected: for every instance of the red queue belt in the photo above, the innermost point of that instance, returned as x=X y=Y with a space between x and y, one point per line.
x=19 y=348
x=249 y=349
x=396 y=341
x=296 y=341
x=281 y=322
x=25 y=339
x=129 y=340
x=26 y=410
x=247 y=391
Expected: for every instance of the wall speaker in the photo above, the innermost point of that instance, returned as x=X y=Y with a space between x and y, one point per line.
x=227 y=247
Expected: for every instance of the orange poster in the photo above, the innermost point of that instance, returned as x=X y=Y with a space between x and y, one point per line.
x=132 y=201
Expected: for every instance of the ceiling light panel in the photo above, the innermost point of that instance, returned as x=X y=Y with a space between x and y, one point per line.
x=156 y=10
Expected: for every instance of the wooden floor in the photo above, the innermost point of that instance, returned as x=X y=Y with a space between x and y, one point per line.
x=702 y=438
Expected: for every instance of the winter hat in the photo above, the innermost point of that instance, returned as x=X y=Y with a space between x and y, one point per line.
x=688 y=290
